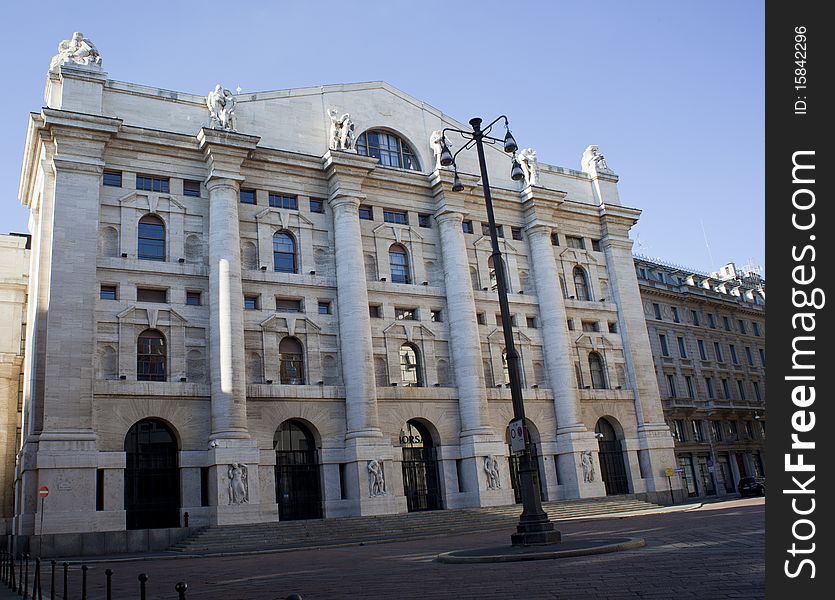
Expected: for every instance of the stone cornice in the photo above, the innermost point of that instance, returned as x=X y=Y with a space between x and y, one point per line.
x=225 y=151
x=346 y=172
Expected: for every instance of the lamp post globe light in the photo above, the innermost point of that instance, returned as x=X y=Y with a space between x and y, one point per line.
x=534 y=527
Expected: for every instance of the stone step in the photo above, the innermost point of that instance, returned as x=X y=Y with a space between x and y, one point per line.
x=346 y=530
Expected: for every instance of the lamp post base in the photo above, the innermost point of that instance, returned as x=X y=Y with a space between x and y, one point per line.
x=535 y=534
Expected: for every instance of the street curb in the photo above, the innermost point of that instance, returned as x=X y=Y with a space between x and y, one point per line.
x=629 y=544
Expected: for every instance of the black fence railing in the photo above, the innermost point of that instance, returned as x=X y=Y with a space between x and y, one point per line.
x=24 y=575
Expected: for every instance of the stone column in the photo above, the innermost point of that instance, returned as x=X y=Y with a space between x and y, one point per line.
x=572 y=436
x=655 y=443
x=229 y=442
x=477 y=439
x=363 y=439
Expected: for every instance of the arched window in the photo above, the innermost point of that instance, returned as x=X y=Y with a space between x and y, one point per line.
x=150 y=356
x=291 y=357
x=410 y=371
x=494 y=283
x=151 y=244
x=391 y=150
x=598 y=376
x=399 y=264
x=284 y=252
x=505 y=368
x=581 y=286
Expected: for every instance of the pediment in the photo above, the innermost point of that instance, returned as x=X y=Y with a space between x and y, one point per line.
x=141 y=200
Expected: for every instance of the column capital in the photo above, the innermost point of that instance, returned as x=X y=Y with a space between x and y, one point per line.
x=539 y=228
x=346 y=172
x=225 y=151
x=446 y=213
x=341 y=198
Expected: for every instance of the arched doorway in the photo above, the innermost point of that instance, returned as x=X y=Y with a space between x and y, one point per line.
x=420 y=468
x=297 y=490
x=152 y=476
x=514 y=461
x=612 y=468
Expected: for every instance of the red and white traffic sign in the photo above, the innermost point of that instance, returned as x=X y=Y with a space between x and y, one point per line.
x=43 y=491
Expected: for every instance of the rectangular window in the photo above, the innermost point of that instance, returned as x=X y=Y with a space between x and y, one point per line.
x=679 y=430
x=499 y=230
x=193 y=298
x=375 y=311
x=742 y=328
x=691 y=390
x=733 y=429
x=702 y=351
x=749 y=356
x=709 y=386
x=671 y=383
x=573 y=241
x=425 y=221
x=682 y=348
x=676 y=318
x=595 y=245
x=289 y=305
x=727 y=323
x=716 y=429
x=734 y=357
x=711 y=321
x=108 y=292
x=741 y=387
x=317 y=205
x=726 y=389
x=530 y=322
x=757 y=394
x=436 y=316
x=613 y=327
x=516 y=233
x=99 y=490
x=112 y=179
x=151 y=295
x=250 y=302
x=756 y=327
x=717 y=350
x=665 y=351
x=590 y=326
x=762 y=356
x=150 y=183
x=404 y=314
x=570 y=323
x=324 y=307
x=749 y=429
x=366 y=213
x=467 y=226
x=287 y=201
x=657 y=310
x=191 y=188
x=697 y=430
x=481 y=318
x=695 y=317
x=247 y=196
x=396 y=216
x=555 y=239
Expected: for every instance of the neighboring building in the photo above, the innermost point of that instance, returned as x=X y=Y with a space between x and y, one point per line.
x=708 y=337
x=298 y=319
x=14 y=269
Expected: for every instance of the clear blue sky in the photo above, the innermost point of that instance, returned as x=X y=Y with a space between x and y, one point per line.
x=672 y=92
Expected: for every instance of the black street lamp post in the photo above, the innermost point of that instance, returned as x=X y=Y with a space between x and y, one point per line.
x=534 y=527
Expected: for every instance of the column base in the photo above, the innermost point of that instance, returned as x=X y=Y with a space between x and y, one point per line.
x=372 y=491
x=235 y=497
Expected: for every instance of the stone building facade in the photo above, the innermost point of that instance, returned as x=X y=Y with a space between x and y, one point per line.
x=259 y=309
x=14 y=273
x=707 y=334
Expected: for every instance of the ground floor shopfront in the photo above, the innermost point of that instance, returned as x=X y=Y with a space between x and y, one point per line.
x=717 y=472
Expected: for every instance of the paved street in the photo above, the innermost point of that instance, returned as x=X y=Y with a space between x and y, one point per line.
x=715 y=552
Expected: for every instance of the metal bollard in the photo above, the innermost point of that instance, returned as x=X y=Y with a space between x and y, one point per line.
x=66 y=567
x=26 y=578
x=52 y=581
x=142 y=580
x=36 y=582
x=181 y=588
x=109 y=574
x=11 y=573
x=19 y=574
x=185 y=519
x=83 y=582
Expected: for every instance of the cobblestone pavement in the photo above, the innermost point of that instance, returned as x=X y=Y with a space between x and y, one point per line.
x=715 y=552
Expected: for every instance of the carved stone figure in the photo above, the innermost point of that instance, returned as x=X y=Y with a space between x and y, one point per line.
x=593 y=162
x=435 y=140
x=79 y=50
x=527 y=160
x=588 y=466
x=491 y=467
x=221 y=104
x=342 y=131
x=376 y=478
x=238 y=483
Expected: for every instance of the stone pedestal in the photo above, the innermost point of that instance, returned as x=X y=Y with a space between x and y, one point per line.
x=233 y=462
x=570 y=449
x=359 y=479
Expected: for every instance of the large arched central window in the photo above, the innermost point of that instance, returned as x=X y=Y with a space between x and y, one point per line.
x=291 y=357
x=390 y=149
x=150 y=356
x=410 y=375
x=284 y=252
x=399 y=263
x=581 y=285
x=151 y=244
x=598 y=375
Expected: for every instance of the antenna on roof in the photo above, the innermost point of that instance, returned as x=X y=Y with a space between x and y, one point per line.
x=707 y=245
